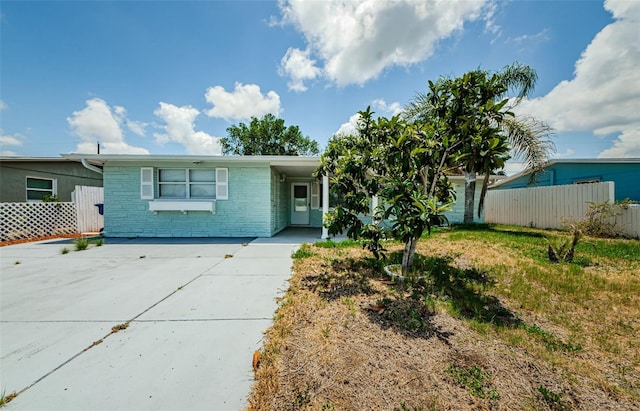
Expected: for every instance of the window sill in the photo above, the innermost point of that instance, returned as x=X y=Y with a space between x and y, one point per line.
x=182 y=206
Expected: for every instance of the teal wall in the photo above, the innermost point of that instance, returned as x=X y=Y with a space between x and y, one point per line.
x=247 y=212
x=279 y=203
x=456 y=215
x=626 y=177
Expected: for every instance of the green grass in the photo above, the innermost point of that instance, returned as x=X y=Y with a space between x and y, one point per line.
x=303 y=252
x=337 y=244
x=475 y=380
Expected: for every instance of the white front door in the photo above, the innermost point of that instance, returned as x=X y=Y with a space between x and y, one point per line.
x=300 y=204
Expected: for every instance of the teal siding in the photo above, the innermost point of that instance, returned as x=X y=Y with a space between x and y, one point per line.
x=247 y=212
x=456 y=215
x=315 y=217
x=626 y=177
x=279 y=203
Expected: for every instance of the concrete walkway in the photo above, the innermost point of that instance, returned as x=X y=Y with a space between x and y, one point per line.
x=195 y=310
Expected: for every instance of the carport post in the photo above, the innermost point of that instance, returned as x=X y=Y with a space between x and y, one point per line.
x=325 y=205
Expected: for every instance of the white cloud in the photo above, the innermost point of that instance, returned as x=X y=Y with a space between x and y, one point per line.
x=3 y=105
x=244 y=102
x=356 y=41
x=604 y=95
x=567 y=153
x=626 y=145
x=180 y=129
x=7 y=140
x=381 y=105
x=98 y=122
x=349 y=127
x=10 y=141
x=297 y=65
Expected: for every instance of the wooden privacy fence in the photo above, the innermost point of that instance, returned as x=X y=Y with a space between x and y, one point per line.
x=88 y=217
x=547 y=207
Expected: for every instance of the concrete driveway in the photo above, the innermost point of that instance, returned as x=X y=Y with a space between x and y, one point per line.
x=195 y=311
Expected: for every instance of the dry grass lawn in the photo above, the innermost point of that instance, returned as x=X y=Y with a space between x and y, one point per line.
x=493 y=325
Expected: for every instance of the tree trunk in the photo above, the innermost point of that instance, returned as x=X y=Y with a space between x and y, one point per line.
x=408 y=254
x=469 y=196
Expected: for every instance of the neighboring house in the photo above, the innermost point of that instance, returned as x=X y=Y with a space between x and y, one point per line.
x=30 y=179
x=624 y=172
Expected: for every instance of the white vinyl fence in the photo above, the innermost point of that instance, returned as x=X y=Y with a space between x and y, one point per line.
x=547 y=207
x=88 y=217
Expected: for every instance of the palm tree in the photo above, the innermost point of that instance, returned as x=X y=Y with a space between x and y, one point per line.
x=474 y=108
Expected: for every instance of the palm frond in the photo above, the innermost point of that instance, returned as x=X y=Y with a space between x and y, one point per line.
x=530 y=141
x=519 y=78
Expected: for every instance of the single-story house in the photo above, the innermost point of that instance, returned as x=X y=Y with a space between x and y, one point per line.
x=30 y=179
x=215 y=196
x=207 y=196
x=624 y=172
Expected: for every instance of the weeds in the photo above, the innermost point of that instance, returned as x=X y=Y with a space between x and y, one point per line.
x=65 y=250
x=601 y=219
x=303 y=252
x=81 y=244
x=553 y=400
x=17 y=262
x=551 y=342
x=475 y=380
x=6 y=399
x=119 y=327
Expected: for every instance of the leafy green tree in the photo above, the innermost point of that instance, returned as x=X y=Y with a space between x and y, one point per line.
x=267 y=136
x=474 y=109
x=405 y=164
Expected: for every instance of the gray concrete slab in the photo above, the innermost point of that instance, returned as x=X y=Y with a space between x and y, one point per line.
x=195 y=319
x=222 y=298
x=156 y=366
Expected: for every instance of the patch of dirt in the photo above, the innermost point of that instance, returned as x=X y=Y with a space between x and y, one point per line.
x=32 y=240
x=347 y=338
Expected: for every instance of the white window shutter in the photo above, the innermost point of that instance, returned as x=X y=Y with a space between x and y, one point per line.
x=146 y=183
x=315 y=195
x=222 y=184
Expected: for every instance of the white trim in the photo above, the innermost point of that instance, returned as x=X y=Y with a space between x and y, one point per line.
x=222 y=184
x=325 y=205
x=52 y=191
x=183 y=206
x=146 y=183
x=315 y=195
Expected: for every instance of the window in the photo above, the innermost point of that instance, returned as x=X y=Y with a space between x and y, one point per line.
x=185 y=183
x=38 y=188
x=316 y=195
x=588 y=181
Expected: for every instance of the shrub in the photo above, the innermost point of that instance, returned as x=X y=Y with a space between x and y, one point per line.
x=600 y=220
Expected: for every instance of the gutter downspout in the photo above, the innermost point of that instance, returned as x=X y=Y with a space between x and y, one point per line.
x=88 y=166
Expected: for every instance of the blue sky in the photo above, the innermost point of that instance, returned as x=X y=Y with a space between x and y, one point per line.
x=169 y=77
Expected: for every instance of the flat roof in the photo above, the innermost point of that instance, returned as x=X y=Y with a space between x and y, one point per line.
x=631 y=160
x=273 y=160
